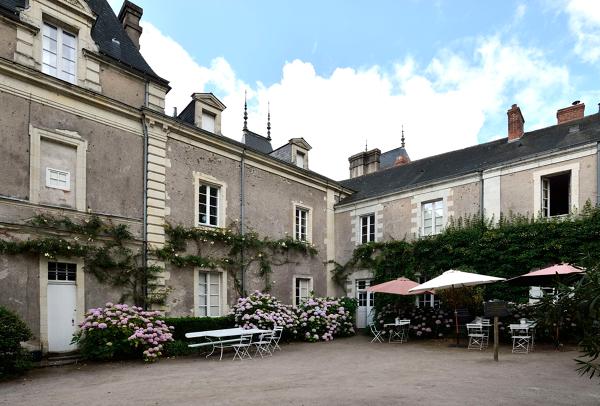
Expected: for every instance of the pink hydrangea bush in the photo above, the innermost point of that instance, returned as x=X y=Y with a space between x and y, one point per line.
x=322 y=318
x=264 y=311
x=122 y=331
x=425 y=322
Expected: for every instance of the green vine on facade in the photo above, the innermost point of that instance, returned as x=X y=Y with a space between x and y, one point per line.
x=228 y=249
x=110 y=253
x=513 y=246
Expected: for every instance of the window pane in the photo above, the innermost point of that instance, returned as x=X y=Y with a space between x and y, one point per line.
x=202 y=312
x=214 y=300
x=50 y=31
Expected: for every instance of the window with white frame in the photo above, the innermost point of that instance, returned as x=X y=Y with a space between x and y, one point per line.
x=364 y=297
x=433 y=217
x=426 y=299
x=59 y=53
x=208 y=205
x=556 y=194
x=367 y=228
x=302 y=290
x=301 y=226
x=209 y=294
x=58 y=179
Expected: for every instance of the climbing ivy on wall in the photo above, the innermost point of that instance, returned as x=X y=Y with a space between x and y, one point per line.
x=110 y=253
x=514 y=246
x=228 y=249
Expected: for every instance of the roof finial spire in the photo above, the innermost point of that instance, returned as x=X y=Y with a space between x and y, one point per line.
x=245 y=110
x=402 y=139
x=366 y=145
x=269 y=120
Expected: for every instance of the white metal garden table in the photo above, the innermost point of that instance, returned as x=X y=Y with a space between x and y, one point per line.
x=399 y=333
x=222 y=338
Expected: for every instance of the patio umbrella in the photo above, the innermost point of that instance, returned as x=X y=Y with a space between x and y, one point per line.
x=547 y=276
x=400 y=286
x=455 y=279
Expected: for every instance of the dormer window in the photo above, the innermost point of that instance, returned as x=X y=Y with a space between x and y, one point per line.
x=59 y=53
x=300 y=159
x=208 y=121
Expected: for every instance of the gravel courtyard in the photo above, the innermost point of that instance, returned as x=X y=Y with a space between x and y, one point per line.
x=343 y=372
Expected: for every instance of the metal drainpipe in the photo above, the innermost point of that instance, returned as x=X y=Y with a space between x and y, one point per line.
x=242 y=202
x=145 y=197
x=481 y=196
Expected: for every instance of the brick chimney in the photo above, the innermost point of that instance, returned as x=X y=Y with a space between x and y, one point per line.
x=130 y=16
x=364 y=163
x=574 y=112
x=515 y=123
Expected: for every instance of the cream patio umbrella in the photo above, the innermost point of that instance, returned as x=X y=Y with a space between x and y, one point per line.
x=455 y=279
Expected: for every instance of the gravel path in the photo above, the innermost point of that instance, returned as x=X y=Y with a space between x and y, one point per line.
x=343 y=372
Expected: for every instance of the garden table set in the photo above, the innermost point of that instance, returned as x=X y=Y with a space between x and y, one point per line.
x=523 y=336
x=398 y=330
x=240 y=340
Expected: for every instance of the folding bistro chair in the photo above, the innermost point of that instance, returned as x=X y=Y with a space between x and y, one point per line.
x=486 y=326
x=275 y=337
x=476 y=336
x=521 y=338
x=242 y=349
x=376 y=333
x=263 y=345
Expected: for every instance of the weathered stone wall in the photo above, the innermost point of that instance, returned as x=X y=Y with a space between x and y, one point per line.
x=8 y=39
x=269 y=200
x=122 y=86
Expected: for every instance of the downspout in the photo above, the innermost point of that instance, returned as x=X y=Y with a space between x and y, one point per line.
x=481 y=197
x=145 y=197
x=242 y=203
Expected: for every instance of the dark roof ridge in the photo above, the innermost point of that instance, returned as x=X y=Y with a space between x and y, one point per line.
x=568 y=124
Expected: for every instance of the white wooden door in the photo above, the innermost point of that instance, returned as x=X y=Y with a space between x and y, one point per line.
x=62 y=303
x=364 y=312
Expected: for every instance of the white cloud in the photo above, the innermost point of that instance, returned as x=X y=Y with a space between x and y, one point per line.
x=584 y=22
x=443 y=106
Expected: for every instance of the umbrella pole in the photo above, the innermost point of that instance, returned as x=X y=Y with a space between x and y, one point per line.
x=456 y=322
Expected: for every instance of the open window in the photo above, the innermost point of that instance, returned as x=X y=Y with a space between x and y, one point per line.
x=556 y=194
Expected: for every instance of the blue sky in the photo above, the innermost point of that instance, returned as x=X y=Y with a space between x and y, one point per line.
x=341 y=72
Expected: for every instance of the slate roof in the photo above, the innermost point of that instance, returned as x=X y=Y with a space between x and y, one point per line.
x=387 y=159
x=474 y=159
x=106 y=27
x=257 y=142
x=9 y=7
x=189 y=112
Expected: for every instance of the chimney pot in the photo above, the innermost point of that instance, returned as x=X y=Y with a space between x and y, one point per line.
x=574 y=112
x=130 y=16
x=515 y=123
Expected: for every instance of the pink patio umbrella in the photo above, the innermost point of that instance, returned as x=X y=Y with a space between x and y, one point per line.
x=400 y=286
x=546 y=276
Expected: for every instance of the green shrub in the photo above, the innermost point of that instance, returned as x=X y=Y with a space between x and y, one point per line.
x=184 y=325
x=13 y=358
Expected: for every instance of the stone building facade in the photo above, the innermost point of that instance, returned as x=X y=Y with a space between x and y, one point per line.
x=548 y=172
x=83 y=132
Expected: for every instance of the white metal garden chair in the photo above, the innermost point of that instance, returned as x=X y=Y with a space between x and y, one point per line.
x=521 y=338
x=275 y=337
x=242 y=350
x=263 y=345
x=377 y=335
x=486 y=325
x=477 y=337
